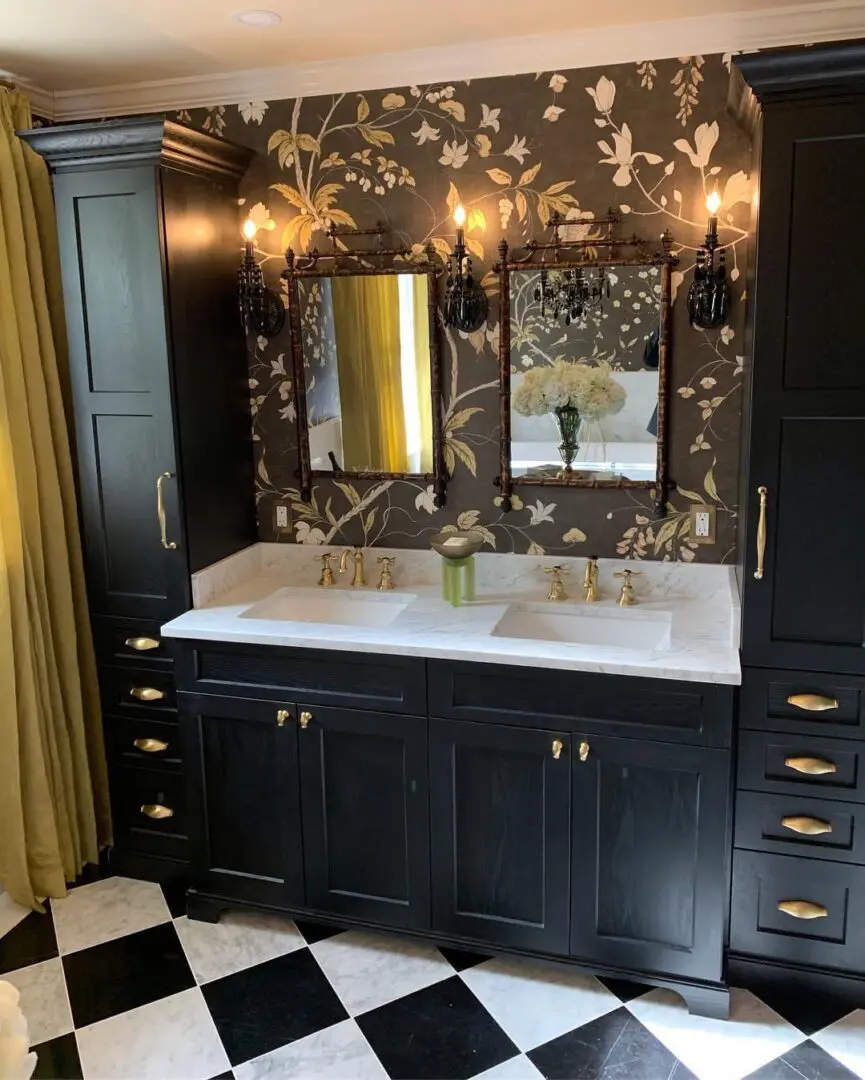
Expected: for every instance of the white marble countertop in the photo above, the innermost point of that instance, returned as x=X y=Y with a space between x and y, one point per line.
x=701 y=603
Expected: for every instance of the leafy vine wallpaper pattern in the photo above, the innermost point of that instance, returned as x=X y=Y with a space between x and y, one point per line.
x=650 y=140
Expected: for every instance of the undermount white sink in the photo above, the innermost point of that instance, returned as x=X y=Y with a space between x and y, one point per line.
x=337 y=608
x=622 y=628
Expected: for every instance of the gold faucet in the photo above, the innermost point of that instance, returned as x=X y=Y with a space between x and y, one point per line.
x=627 y=595
x=590 y=581
x=358 y=581
x=326 y=580
x=385 y=581
x=557 y=587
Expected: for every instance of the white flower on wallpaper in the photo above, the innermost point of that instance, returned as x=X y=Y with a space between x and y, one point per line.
x=552 y=113
x=308 y=535
x=705 y=138
x=259 y=215
x=426 y=133
x=603 y=94
x=623 y=156
x=426 y=500
x=490 y=118
x=454 y=154
x=540 y=512
x=518 y=150
x=558 y=83
x=252 y=111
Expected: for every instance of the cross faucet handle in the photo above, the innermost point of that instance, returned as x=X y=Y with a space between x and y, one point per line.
x=326 y=579
x=386 y=582
x=557 y=588
x=627 y=598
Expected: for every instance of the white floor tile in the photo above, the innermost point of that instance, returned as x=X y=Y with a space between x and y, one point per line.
x=368 y=970
x=44 y=1001
x=10 y=913
x=239 y=940
x=535 y=1004
x=170 y=1039
x=518 y=1068
x=717 y=1049
x=339 y=1052
x=845 y=1040
x=105 y=910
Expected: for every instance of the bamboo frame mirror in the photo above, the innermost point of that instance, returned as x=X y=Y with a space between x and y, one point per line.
x=366 y=359
x=585 y=318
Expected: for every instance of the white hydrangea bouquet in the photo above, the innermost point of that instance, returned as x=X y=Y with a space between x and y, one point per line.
x=17 y=1061
x=572 y=391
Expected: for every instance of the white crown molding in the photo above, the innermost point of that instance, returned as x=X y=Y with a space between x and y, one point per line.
x=41 y=100
x=808 y=23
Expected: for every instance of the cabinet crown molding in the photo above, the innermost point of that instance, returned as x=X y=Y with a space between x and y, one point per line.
x=776 y=75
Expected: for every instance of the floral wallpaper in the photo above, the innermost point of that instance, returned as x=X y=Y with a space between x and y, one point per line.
x=650 y=140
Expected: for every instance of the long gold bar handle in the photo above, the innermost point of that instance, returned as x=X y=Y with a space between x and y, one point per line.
x=146 y=693
x=812 y=702
x=169 y=545
x=807 y=826
x=150 y=746
x=811 y=766
x=558 y=747
x=141 y=644
x=157 y=811
x=802 y=909
x=762 y=491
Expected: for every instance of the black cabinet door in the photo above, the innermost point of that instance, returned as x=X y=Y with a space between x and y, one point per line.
x=243 y=799
x=649 y=875
x=365 y=804
x=109 y=224
x=807 y=438
x=500 y=831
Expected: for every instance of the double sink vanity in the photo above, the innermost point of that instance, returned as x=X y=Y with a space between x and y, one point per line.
x=542 y=777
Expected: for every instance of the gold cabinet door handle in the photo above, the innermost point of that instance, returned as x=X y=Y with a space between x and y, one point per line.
x=150 y=746
x=807 y=826
x=763 y=492
x=305 y=718
x=583 y=752
x=146 y=693
x=141 y=644
x=812 y=702
x=281 y=716
x=558 y=747
x=169 y=545
x=157 y=811
x=811 y=766
x=802 y=909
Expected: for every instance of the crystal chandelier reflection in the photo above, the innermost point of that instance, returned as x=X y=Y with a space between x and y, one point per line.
x=571 y=295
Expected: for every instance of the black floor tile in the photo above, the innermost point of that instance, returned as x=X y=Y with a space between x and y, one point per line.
x=271 y=1004
x=442 y=1031
x=57 y=1059
x=613 y=1047
x=461 y=960
x=30 y=942
x=623 y=989
x=314 y=931
x=125 y=973
x=807 y=1061
x=224 y=1076
x=804 y=1009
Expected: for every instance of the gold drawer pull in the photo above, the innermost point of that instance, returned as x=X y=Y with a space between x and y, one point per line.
x=305 y=718
x=146 y=693
x=811 y=766
x=558 y=747
x=807 y=826
x=157 y=811
x=583 y=752
x=812 y=702
x=150 y=746
x=142 y=644
x=802 y=909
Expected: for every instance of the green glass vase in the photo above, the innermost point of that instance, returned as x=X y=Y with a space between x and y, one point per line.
x=568 y=419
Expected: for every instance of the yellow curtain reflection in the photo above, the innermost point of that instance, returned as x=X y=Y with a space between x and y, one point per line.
x=424 y=367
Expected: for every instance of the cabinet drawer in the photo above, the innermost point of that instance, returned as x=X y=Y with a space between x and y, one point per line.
x=163 y=793
x=805 y=704
x=315 y=677
x=834 y=893
x=138 y=691
x=764 y=758
x=138 y=740
x=130 y=641
x=666 y=710
x=820 y=828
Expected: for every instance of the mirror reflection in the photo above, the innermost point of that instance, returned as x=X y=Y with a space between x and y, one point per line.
x=584 y=373
x=366 y=355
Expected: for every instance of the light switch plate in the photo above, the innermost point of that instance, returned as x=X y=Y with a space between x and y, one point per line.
x=703 y=520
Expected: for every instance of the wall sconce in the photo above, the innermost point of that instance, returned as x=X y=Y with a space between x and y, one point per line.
x=709 y=294
x=466 y=302
x=261 y=310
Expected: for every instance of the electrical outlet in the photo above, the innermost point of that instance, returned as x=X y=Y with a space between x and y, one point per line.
x=702 y=523
x=282 y=517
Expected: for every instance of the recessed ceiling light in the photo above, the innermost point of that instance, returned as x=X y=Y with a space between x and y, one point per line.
x=255 y=17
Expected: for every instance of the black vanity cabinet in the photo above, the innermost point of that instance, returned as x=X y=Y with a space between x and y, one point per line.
x=149 y=243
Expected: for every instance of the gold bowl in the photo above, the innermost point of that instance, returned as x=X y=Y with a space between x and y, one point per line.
x=456 y=545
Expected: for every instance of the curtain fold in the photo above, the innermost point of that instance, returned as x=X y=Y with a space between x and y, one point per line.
x=53 y=782
x=424 y=369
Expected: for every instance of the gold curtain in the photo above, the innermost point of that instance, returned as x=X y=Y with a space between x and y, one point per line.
x=424 y=369
x=366 y=323
x=53 y=786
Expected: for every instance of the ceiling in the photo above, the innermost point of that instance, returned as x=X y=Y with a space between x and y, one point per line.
x=71 y=44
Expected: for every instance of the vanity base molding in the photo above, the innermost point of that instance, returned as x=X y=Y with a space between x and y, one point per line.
x=807 y=983
x=703 y=999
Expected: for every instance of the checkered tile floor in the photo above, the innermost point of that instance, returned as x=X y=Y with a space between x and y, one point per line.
x=118 y=985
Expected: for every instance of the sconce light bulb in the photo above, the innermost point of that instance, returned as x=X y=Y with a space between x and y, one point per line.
x=460 y=215
x=713 y=203
x=249 y=229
